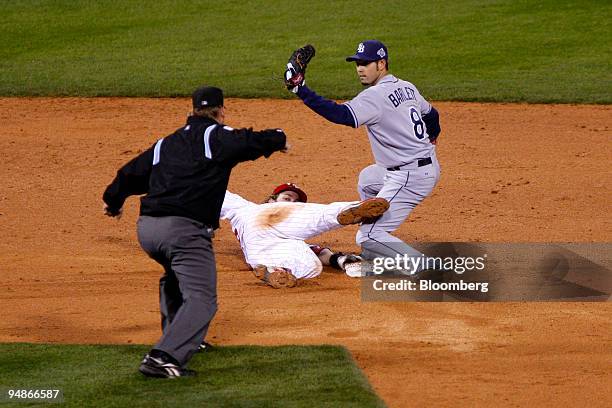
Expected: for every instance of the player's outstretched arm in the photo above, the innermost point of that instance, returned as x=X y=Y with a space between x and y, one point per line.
x=231 y=203
x=330 y=110
x=295 y=81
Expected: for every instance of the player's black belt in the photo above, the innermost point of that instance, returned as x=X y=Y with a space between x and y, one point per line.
x=420 y=163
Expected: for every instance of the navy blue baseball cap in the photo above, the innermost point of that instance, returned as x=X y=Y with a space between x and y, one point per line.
x=370 y=50
x=207 y=97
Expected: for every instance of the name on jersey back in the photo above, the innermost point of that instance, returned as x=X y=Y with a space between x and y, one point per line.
x=401 y=95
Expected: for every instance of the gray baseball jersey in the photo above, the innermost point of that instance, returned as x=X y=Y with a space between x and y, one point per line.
x=392 y=111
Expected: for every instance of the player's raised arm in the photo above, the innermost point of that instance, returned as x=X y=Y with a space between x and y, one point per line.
x=295 y=80
x=330 y=110
x=231 y=203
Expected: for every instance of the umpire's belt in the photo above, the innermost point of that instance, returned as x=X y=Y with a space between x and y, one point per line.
x=419 y=162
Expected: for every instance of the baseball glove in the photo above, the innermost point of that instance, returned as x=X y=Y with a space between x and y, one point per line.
x=296 y=67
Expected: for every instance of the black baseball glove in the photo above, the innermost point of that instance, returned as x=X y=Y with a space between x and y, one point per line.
x=296 y=67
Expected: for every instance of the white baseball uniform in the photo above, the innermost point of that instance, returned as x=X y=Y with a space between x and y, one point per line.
x=273 y=234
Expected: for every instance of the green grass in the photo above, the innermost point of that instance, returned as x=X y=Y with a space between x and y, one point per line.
x=107 y=376
x=486 y=50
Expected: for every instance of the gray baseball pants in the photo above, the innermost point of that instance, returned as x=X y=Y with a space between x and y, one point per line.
x=188 y=288
x=404 y=189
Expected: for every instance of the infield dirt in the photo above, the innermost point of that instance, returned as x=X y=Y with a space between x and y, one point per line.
x=510 y=173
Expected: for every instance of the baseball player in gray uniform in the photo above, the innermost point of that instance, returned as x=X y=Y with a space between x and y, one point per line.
x=402 y=128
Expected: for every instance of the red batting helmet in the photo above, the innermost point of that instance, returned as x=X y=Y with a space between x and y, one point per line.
x=302 y=197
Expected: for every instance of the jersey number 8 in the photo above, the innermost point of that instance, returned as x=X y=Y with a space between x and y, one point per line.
x=417 y=123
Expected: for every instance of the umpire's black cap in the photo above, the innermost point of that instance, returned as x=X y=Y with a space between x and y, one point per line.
x=207 y=97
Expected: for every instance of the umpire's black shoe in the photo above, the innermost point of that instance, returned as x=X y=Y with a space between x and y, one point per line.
x=158 y=367
x=205 y=347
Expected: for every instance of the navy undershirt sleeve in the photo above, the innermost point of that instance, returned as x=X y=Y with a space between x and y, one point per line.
x=432 y=121
x=330 y=110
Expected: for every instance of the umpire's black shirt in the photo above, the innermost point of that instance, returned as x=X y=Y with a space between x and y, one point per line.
x=186 y=173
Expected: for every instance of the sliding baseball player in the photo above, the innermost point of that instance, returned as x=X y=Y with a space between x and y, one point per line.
x=272 y=234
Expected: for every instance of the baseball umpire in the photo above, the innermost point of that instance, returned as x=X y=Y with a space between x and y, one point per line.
x=184 y=177
x=402 y=128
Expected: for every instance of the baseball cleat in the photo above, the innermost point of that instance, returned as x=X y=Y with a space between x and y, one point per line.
x=367 y=209
x=361 y=269
x=159 y=368
x=205 y=347
x=354 y=270
x=351 y=264
x=346 y=259
x=275 y=276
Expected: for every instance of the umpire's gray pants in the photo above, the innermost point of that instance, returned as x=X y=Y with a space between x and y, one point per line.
x=188 y=288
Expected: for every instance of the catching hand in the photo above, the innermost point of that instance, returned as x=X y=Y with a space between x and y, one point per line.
x=295 y=74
